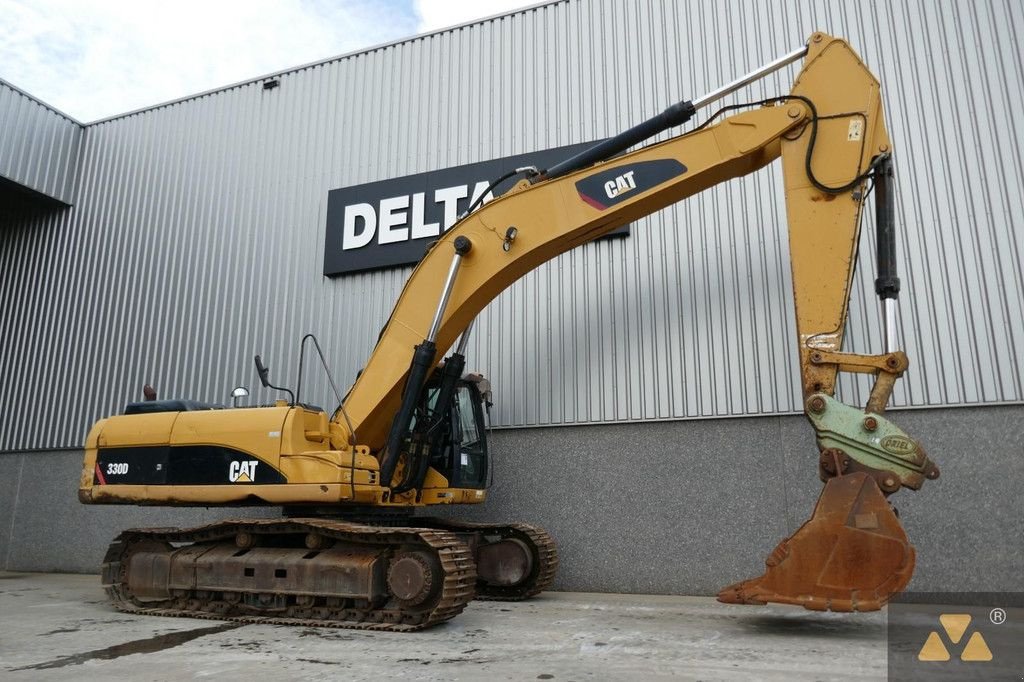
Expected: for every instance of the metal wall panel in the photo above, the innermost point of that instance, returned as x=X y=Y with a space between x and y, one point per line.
x=38 y=144
x=196 y=238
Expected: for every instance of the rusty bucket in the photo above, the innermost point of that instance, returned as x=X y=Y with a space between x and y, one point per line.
x=851 y=555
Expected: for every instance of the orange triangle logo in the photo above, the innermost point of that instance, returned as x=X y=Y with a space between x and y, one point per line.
x=955 y=625
x=243 y=478
x=976 y=649
x=933 y=649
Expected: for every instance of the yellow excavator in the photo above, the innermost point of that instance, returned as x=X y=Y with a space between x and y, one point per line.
x=348 y=551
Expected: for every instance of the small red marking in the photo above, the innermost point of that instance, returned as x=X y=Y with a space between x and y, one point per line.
x=593 y=202
x=99 y=474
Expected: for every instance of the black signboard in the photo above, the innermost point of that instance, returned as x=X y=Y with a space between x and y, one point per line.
x=392 y=222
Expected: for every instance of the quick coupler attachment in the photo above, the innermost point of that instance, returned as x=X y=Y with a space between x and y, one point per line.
x=852 y=440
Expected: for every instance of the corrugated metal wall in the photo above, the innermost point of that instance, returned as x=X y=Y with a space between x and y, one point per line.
x=38 y=145
x=197 y=235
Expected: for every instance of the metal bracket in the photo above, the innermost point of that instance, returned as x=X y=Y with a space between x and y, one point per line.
x=870 y=440
x=892 y=363
x=886 y=368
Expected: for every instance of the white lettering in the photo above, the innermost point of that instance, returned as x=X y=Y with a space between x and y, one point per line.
x=394 y=220
x=450 y=196
x=419 y=228
x=350 y=238
x=242 y=471
x=620 y=185
x=391 y=216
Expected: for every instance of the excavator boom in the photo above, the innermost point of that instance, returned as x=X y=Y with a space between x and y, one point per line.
x=547 y=219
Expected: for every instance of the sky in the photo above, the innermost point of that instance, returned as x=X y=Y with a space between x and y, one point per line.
x=97 y=58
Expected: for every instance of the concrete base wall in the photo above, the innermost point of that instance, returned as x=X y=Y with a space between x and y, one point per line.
x=663 y=508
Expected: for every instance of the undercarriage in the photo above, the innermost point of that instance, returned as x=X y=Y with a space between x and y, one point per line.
x=326 y=572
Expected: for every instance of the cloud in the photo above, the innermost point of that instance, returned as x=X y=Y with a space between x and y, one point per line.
x=103 y=58
x=107 y=57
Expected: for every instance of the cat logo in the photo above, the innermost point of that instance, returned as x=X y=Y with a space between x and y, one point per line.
x=955 y=625
x=606 y=188
x=620 y=185
x=242 y=472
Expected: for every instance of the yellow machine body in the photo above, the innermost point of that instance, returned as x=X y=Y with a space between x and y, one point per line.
x=289 y=446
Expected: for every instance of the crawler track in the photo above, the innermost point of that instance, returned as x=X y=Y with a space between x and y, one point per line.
x=449 y=594
x=542 y=545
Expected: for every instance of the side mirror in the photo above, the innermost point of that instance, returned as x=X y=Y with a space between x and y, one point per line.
x=239 y=392
x=262 y=370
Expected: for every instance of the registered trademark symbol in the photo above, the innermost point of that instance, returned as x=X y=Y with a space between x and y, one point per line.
x=997 y=616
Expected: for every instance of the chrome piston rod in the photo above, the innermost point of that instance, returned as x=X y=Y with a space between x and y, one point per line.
x=889 y=324
x=462 y=247
x=464 y=339
x=742 y=81
x=677 y=114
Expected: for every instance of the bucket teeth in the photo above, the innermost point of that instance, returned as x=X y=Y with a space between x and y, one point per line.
x=851 y=555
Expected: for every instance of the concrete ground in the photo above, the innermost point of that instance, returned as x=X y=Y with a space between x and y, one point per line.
x=58 y=626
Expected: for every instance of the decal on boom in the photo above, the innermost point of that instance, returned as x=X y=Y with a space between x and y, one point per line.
x=609 y=187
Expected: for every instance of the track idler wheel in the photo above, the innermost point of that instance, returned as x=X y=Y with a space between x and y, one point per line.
x=411 y=578
x=852 y=555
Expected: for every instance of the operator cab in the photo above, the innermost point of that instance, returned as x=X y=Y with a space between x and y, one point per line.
x=452 y=441
x=463 y=460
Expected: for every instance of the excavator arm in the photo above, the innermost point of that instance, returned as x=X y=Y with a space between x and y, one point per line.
x=830 y=133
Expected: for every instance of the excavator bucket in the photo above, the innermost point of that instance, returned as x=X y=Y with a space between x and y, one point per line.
x=852 y=555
